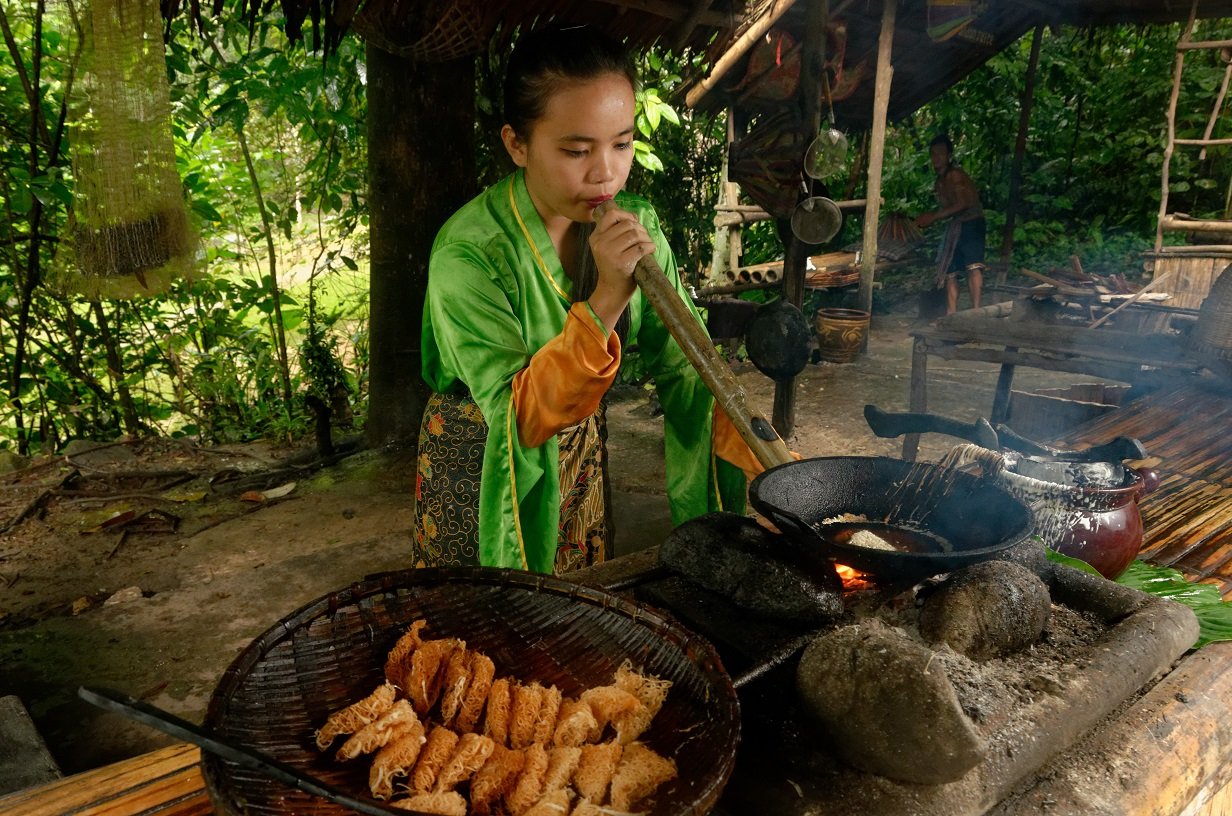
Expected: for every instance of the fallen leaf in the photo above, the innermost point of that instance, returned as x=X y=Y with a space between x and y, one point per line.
x=280 y=491
x=255 y=496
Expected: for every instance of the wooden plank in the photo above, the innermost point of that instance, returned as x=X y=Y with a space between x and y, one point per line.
x=1062 y=339
x=167 y=781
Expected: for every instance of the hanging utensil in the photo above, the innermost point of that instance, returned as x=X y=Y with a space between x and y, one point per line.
x=168 y=723
x=827 y=154
x=816 y=220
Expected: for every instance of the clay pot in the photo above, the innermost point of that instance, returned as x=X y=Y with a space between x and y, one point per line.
x=841 y=333
x=1099 y=525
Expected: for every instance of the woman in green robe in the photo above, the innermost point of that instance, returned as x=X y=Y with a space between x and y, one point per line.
x=529 y=303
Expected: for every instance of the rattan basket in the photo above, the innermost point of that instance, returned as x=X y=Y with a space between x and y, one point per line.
x=331 y=652
x=1212 y=337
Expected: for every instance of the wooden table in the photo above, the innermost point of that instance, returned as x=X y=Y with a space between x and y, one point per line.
x=992 y=335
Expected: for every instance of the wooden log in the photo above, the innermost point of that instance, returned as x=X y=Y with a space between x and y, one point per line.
x=1063 y=288
x=1171 y=749
x=1176 y=223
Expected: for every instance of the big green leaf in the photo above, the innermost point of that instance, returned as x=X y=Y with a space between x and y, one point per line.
x=1214 y=613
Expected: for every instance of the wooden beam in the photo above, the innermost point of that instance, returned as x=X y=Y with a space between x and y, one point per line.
x=690 y=22
x=796 y=258
x=674 y=11
x=737 y=50
x=881 y=104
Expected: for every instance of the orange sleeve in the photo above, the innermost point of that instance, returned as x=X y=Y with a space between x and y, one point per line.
x=566 y=379
x=729 y=446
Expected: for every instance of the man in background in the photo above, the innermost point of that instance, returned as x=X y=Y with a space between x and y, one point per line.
x=962 y=247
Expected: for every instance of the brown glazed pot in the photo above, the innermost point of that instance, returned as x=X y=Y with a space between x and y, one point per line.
x=1099 y=525
x=841 y=333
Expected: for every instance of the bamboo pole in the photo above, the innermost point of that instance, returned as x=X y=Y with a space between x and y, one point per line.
x=1095 y=324
x=881 y=104
x=736 y=51
x=1177 y=69
x=759 y=434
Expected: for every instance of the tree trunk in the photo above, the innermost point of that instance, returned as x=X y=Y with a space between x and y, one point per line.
x=421 y=168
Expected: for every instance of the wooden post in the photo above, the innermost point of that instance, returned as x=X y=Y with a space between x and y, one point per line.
x=881 y=103
x=796 y=257
x=1020 y=152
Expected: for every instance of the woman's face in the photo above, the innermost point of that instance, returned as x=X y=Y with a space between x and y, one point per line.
x=579 y=152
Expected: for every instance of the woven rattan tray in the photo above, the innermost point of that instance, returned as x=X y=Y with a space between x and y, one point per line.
x=330 y=653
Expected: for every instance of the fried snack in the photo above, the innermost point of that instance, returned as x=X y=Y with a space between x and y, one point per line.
x=436 y=752
x=610 y=703
x=529 y=787
x=640 y=772
x=650 y=691
x=427 y=672
x=396 y=662
x=482 y=672
x=549 y=709
x=496 y=722
x=562 y=762
x=576 y=724
x=469 y=755
x=396 y=759
x=377 y=734
x=495 y=780
x=457 y=675
x=355 y=716
x=585 y=807
x=442 y=804
x=595 y=768
x=555 y=803
x=524 y=714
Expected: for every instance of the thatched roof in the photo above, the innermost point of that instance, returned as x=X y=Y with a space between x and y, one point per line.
x=926 y=60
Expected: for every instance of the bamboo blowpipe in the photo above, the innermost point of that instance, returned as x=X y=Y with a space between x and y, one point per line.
x=753 y=427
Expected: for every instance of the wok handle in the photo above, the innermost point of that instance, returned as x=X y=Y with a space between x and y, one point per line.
x=888 y=425
x=168 y=723
x=753 y=427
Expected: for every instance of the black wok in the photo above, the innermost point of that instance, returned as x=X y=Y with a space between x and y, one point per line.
x=978 y=517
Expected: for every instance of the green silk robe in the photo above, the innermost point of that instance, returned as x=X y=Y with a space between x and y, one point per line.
x=496 y=294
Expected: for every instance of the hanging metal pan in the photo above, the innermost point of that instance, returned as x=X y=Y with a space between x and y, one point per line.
x=816 y=220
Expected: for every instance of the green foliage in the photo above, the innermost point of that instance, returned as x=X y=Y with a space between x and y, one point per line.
x=210 y=360
x=204 y=359
x=680 y=175
x=1214 y=614
x=1091 y=180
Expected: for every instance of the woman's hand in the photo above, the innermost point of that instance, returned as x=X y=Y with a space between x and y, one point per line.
x=925 y=219
x=617 y=244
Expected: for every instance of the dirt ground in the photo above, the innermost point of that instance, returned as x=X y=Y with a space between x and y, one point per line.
x=158 y=602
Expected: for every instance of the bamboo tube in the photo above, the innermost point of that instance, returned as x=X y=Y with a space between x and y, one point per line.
x=756 y=431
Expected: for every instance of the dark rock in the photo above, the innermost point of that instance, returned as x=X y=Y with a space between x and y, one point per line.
x=737 y=557
x=886 y=706
x=987 y=610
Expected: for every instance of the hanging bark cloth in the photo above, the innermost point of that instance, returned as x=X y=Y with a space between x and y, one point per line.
x=130 y=228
